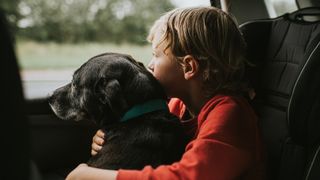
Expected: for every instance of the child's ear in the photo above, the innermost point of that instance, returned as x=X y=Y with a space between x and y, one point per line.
x=190 y=66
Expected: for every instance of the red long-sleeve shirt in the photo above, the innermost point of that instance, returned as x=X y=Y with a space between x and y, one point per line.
x=226 y=144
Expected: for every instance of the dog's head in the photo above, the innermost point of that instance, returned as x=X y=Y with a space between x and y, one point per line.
x=104 y=88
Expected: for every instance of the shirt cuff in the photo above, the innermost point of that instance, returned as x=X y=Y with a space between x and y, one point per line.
x=129 y=175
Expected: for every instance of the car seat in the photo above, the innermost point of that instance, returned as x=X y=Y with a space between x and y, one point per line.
x=285 y=72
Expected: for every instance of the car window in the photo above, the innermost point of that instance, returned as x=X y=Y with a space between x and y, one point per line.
x=53 y=38
x=278 y=7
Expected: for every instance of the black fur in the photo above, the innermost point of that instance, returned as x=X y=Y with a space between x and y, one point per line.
x=102 y=90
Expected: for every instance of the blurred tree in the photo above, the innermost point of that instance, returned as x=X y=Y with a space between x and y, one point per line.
x=129 y=20
x=115 y=21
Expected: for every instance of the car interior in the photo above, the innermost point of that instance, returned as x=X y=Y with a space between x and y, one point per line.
x=16 y=155
x=285 y=76
x=284 y=52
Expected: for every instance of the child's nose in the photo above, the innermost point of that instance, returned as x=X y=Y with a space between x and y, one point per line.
x=151 y=66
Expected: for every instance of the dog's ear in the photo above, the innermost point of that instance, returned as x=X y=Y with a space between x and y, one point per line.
x=109 y=93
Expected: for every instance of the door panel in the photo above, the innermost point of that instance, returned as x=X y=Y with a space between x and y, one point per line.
x=57 y=146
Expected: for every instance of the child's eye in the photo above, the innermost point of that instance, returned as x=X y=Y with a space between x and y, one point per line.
x=155 y=54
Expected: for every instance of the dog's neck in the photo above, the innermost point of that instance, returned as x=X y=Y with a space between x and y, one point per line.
x=147 y=107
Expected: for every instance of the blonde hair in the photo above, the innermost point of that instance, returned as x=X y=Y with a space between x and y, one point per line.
x=209 y=35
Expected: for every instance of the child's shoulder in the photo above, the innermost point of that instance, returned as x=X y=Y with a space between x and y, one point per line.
x=227 y=103
x=221 y=99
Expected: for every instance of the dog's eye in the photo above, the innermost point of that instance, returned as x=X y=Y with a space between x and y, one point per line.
x=73 y=86
x=140 y=64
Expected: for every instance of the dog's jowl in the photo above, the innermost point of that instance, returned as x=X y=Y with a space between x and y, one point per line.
x=123 y=98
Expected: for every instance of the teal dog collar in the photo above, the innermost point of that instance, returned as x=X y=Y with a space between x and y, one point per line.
x=149 y=106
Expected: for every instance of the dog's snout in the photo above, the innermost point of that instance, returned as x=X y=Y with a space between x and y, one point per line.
x=50 y=98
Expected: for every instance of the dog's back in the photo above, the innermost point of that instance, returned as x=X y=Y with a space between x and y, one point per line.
x=152 y=139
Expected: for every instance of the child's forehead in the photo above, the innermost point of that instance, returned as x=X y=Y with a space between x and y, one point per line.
x=158 y=40
x=159 y=46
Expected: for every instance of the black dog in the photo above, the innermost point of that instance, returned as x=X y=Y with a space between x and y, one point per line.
x=120 y=95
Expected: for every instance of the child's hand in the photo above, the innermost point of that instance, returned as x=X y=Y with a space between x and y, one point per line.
x=97 y=142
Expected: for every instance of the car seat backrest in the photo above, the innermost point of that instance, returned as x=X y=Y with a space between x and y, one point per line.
x=285 y=53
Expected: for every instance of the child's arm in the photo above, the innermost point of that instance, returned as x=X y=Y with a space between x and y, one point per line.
x=84 y=172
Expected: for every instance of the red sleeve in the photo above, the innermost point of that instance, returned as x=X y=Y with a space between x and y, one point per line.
x=176 y=107
x=225 y=146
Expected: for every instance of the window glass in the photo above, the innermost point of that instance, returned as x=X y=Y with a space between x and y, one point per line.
x=279 y=7
x=53 y=38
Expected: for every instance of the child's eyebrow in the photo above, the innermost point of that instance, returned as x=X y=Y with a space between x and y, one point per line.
x=155 y=53
x=154 y=45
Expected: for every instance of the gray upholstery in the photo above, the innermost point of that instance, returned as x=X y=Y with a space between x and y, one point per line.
x=285 y=52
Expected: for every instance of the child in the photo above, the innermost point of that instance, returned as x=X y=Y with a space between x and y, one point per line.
x=198 y=57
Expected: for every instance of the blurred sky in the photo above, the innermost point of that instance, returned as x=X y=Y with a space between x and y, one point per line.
x=186 y=3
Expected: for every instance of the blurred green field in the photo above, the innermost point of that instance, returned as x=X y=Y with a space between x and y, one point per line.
x=41 y=56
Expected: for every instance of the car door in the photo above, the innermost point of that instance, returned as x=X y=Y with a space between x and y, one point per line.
x=56 y=146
